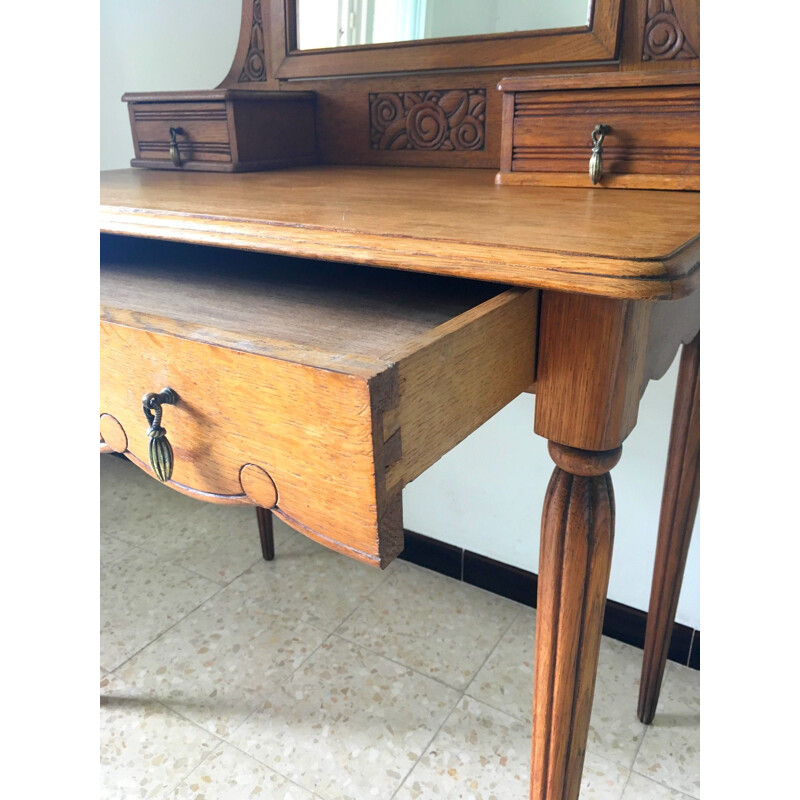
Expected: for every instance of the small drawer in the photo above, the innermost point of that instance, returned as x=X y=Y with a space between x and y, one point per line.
x=222 y=130
x=651 y=136
x=318 y=390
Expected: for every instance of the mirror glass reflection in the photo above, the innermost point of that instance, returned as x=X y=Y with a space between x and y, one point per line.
x=339 y=23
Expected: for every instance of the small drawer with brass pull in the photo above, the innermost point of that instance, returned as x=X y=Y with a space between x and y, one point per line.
x=604 y=130
x=222 y=130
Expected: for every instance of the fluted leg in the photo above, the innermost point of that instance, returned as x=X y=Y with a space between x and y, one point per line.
x=264 y=517
x=574 y=565
x=678 y=510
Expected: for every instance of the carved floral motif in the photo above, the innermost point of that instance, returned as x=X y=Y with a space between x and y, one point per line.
x=439 y=119
x=664 y=37
x=255 y=67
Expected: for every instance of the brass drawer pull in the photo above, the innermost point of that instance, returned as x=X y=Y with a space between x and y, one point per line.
x=596 y=161
x=159 y=449
x=173 y=145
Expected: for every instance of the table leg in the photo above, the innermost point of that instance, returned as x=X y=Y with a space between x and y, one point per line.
x=574 y=566
x=678 y=510
x=264 y=517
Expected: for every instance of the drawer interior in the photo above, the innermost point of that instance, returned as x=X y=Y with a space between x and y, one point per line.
x=341 y=383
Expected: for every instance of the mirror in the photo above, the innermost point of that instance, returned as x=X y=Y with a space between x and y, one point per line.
x=343 y=23
x=327 y=38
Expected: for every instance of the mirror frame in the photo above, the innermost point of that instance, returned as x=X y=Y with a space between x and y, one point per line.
x=597 y=41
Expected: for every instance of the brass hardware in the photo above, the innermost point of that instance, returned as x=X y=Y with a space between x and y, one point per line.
x=159 y=450
x=173 y=145
x=596 y=161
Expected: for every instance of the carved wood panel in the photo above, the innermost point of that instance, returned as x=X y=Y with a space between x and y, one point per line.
x=439 y=119
x=665 y=37
x=255 y=65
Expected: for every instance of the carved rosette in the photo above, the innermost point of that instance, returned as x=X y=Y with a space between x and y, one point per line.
x=255 y=66
x=439 y=119
x=664 y=37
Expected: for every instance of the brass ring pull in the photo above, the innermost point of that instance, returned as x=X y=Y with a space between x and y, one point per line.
x=596 y=161
x=173 y=145
x=159 y=449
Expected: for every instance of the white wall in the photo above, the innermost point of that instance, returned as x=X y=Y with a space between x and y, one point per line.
x=485 y=495
x=155 y=45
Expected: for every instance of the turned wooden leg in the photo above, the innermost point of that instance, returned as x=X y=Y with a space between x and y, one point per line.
x=574 y=565
x=678 y=510
x=264 y=517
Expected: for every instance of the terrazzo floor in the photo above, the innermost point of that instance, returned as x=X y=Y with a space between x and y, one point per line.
x=314 y=677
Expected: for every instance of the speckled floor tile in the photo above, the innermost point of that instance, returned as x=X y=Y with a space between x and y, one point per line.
x=348 y=725
x=145 y=749
x=229 y=774
x=309 y=581
x=216 y=541
x=216 y=665
x=140 y=597
x=134 y=506
x=483 y=754
x=641 y=788
x=431 y=623
x=670 y=751
x=602 y=779
x=506 y=682
x=614 y=730
x=113 y=549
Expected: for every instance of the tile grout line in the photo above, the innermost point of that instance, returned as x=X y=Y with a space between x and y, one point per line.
x=418 y=672
x=627 y=781
x=272 y=769
x=462 y=695
x=427 y=746
x=340 y=637
x=166 y=630
x=396 y=662
x=169 y=710
x=691 y=645
x=491 y=652
x=290 y=675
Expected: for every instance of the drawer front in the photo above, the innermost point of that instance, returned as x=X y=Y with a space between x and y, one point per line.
x=653 y=142
x=316 y=390
x=205 y=136
x=309 y=430
x=327 y=442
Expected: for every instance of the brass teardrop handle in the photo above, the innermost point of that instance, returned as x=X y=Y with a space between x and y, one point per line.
x=159 y=450
x=173 y=145
x=596 y=161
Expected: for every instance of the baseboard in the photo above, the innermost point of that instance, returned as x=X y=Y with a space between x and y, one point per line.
x=621 y=622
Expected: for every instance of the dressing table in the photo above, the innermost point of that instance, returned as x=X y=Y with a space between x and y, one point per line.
x=330 y=330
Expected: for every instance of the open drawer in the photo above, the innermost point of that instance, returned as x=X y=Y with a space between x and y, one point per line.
x=316 y=389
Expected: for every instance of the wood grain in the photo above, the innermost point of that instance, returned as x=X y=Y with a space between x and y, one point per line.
x=617 y=244
x=224 y=130
x=440 y=407
x=343 y=126
x=653 y=142
x=574 y=566
x=330 y=433
x=327 y=315
x=671 y=325
x=592 y=355
x=257 y=484
x=112 y=434
x=678 y=510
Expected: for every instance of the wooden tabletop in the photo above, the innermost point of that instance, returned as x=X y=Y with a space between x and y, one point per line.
x=617 y=243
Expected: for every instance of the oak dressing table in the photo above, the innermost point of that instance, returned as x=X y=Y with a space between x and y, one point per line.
x=310 y=383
